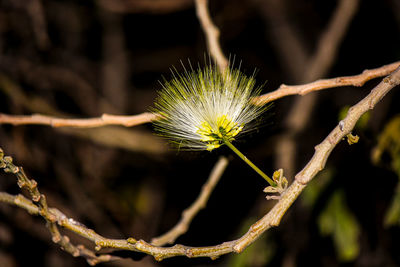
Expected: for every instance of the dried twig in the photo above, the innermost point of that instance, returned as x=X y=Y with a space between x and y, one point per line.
x=36 y=13
x=272 y=218
x=329 y=42
x=290 y=49
x=314 y=67
x=38 y=206
x=356 y=80
x=142 y=6
x=105 y=119
x=345 y=127
x=188 y=214
x=212 y=34
x=129 y=121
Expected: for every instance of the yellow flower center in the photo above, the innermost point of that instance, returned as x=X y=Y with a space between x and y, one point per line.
x=214 y=136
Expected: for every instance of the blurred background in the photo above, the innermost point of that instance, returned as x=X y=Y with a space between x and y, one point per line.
x=81 y=59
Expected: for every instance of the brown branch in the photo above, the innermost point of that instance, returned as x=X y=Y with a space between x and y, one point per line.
x=345 y=126
x=317 y=162
x=37 y=16
x=20 y=201
x=142 y=6
x=115 y=63
x=133 y=120
x=80 y=250
x=38 y=206
x=314 y=67
x=356 y=80
x=105 y=119
x=188 y=214
x=283 y=35
x=212 y=34
x=328 y=44
x=272 y=218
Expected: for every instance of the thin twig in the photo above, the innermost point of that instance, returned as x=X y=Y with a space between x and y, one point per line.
x=38 y=206
x=212 y=34
x=105 y=119
x=36 y=13
x=328 y=44
x=272 y=218
x=145 y=6
x=356 y=80
x=345 y=127
x=290 y=49
x=314 y=67
x=317 y=162
x=133 y=120
x=214 y=48
x=20 y=201
x=188 y=214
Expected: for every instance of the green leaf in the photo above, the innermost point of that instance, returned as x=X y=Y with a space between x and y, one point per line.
x=389 y=143
x=392 y=216
x=337 y=221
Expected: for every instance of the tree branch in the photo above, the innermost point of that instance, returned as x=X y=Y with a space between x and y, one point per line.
x=355 y=80
x=328 y=44
x=272 y=218
x=105 y=119
x=134 y=120
x=38 y=206
x=345 y=126
x=314 y=67
x=212 y=34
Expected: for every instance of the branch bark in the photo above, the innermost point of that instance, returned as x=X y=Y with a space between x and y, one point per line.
x=355 y=80
x=134 y=120
x=105 y=119
x=38 y=206
x=212 y=34
x=322 y=151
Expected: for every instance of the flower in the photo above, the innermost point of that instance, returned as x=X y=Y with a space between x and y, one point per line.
x=203 y=109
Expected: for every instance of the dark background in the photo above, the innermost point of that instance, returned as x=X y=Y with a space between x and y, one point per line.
x=85 y=58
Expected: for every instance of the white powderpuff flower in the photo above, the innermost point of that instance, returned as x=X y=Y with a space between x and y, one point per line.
x=203 y=109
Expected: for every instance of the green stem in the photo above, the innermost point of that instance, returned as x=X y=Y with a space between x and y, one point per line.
x=251 y=164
